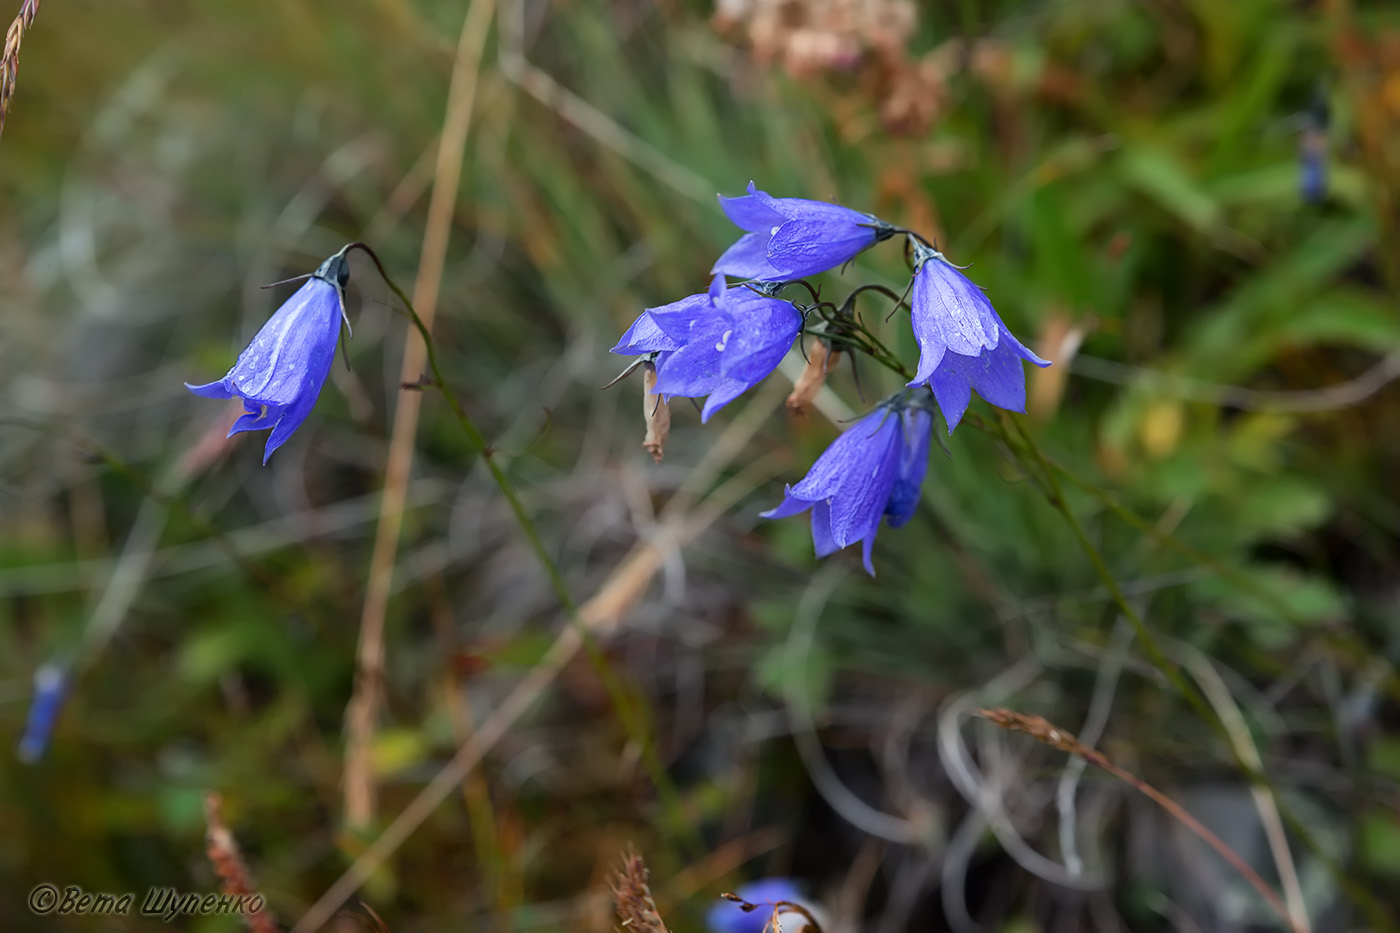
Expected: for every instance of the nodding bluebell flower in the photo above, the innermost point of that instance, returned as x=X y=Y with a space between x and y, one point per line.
x=718 y=344
x=1312 y=150
x=873 y=471
x=729 y=917
x=963 y=344
x=789 y=238
x=50 y=687
x=280 y=374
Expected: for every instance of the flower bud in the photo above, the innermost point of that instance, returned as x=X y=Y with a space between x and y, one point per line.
x=656 y=412
x=820 y=360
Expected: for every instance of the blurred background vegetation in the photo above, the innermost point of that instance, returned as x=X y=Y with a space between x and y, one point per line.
x=1190 y=206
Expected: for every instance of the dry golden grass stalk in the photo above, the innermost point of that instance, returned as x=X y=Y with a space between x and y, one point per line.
x=636 y=911
x=1046 y=732
x=361 y=714
x=9 y=62
x=229 y=865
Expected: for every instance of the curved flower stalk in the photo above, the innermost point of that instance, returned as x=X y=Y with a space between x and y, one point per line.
x=718 y=344
x=280 y=374
x=756 y=905
x=873 y=471
x=789 y=238
x=963 y=343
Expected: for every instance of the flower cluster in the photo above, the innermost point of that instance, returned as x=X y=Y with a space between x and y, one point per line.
x=719 y=344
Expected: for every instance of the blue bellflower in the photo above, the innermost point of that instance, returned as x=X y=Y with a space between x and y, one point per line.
x=789 y=238
x=873 y=471
x=729 y=917
x=719 y=344
x=280 y=374
x=963 y=344
x=1312 y=153
x=50 y=687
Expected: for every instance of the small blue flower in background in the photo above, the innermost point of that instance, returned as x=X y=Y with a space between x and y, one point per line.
x=730 y=917
x=963 y=344
x=719 y=344
x=50 y=687
x=790 y=238
x=280 y=374
x=872 y=471
x=1312 y=150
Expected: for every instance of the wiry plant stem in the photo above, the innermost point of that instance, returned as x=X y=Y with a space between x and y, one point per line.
x=1042 y=730
x=363 y=710
x=570 y=640
x=1359 y=894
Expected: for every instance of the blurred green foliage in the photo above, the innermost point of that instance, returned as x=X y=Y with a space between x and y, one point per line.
x=1124 y=178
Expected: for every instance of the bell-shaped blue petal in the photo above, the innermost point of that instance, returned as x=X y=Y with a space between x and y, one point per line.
x=764 y=329
x=963 y=343
x=872 y=471
x=644 y=336
x=949 y=312
x=789 y=238
x=730 y=917
x=693 y=370
x=717 y=344
x=748 y=259
x=997 y=375
x=913 y=464
x=279 y=374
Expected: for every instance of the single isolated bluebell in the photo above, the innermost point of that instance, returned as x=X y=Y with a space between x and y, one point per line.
x=963 y=344
x=280 y=374
x=730 y=917
x=718 y=344
x=789 y=238
x=1312 y=153
x=873 y=471
x=50 y=688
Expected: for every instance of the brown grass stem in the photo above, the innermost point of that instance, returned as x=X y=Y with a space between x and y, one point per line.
x=613 y=601
x=236 y=880
x=360 y=789
x=1042 y=730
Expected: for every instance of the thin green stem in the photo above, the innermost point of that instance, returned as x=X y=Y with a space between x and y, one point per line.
x=885 y=355
x=1376 y=912
x=1222 y=570
x=1057 y=500
x=632 y=714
